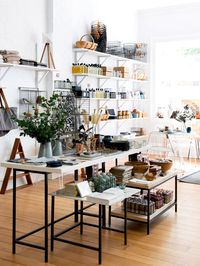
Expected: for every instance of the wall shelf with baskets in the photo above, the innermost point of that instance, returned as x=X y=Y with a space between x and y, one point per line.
x=84 y=51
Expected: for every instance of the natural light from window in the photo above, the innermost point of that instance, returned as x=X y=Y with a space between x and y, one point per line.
x=177 y=76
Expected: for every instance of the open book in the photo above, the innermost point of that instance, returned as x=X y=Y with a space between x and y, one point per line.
x=107 y=197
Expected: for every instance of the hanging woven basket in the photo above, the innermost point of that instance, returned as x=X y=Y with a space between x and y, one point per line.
x=91 y=45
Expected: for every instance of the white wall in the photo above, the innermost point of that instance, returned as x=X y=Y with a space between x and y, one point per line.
x=22 y=24
x=173 y=22
x=72 y=19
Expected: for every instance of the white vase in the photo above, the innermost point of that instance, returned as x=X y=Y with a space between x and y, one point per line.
x=45 y=150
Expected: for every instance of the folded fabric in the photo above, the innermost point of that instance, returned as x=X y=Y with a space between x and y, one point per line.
x=4 y=52
x=12 y=62
x=11 y=56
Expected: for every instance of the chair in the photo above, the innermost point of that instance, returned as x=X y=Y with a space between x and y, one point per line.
x=160 y=145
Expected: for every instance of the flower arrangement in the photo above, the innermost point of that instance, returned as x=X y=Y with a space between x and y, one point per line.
x=46 y=122
x=185 y=115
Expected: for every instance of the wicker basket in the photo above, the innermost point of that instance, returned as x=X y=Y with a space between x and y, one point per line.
x=91 y=45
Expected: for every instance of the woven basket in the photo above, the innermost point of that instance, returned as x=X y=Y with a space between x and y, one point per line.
x=91 y=45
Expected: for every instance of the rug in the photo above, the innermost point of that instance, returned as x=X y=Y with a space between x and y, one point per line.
x=193 y=178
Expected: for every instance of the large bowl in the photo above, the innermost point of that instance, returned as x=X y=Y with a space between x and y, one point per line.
x=138 y=167
x=166 y=165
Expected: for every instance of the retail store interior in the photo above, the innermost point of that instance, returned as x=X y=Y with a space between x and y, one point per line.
x=99 y=133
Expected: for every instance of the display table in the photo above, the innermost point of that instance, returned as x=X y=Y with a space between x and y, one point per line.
x=46 y=171
x=148 y=186
x=122 y=196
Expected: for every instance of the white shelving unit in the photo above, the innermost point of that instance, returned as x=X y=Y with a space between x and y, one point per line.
x=5 y=67
x=104 y=55
x=116 y=83
x=36 y=75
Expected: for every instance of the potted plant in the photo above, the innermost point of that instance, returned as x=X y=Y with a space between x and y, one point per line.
x=46 y=122
x=185 y=115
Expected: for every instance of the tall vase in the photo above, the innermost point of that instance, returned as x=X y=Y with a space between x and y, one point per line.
x=57 y=147
x=45 y=150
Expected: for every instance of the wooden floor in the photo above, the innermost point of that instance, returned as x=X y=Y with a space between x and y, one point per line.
x=174 y=237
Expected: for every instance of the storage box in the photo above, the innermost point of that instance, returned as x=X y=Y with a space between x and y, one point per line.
x=107 y=71
x=124 y=71
x=158 y=199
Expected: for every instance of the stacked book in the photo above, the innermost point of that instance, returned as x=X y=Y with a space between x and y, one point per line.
x=122 y=173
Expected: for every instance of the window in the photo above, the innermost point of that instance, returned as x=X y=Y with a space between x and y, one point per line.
x=177 y=76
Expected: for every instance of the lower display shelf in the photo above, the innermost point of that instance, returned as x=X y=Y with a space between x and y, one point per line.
x=118 y=212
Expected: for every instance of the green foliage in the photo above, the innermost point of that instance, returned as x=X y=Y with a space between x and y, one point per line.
x=47 y=122
x=185 y=115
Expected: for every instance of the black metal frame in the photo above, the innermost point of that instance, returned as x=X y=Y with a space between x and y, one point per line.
x=148 y=222
x=100 y=226
x=18 y=240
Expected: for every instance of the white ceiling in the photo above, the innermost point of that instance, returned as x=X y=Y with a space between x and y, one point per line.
x=144 y=4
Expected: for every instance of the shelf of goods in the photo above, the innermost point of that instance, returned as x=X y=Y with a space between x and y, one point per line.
x=148 y=215
x=6 y=67
x=106 y=82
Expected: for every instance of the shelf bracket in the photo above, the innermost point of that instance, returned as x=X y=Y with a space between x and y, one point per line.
x=4 y=72
x=43 y=76
x=101 y=84
x=103 y=125
x=82 y=79
x=123 y=102
x=123 y=62
x=102 y=106
x=104 y=60
x=80 y=57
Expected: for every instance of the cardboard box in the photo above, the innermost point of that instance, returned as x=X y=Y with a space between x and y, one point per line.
x=123 y=70
x=107 y=71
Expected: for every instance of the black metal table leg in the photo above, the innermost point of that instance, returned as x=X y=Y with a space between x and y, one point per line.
x=116 y=162
x=46 y=215
x=148 y=213
x=52 y=221
x=176 y=179
x=103 y=206
x=103 y=167
x=14 y=213
x=104 y=215
x=100 y=234
x=81 y=218
x=109 y=216
x=125 y=222
x=76 y=201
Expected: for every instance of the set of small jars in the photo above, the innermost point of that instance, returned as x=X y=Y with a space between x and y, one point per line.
x=123 y=114
x=87 y=69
